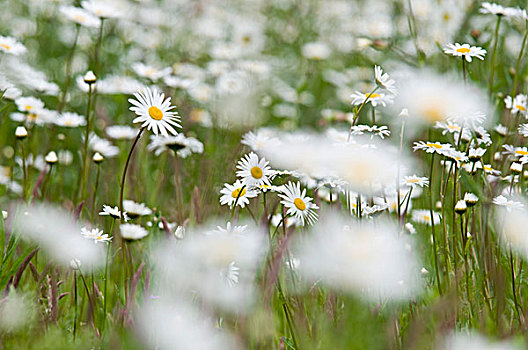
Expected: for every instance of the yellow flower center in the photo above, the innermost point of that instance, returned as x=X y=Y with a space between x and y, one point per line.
x=522 y=153
x=5 y=46
x=246 y=39
x=487 y=168
x=413 y=181
x=79 y=18
x=433 y=114
x=373 y=95
x=239 y=192
x=463 y=50
x=299 y=204
x=256 y=172
x=155 y=113
x=434 y=145
x=521 y=108
x=28 y=107
x=32 y=117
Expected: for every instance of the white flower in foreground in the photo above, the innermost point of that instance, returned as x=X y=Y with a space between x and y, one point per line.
x=236 y=193
x=367 y=258
x=465 y=50
x=383 y=80
x=115 y=213
x=473 y=341
x=134 y=209
x=423 y=216
x=132 y=232
x=11 y=46
x=298 y=204
x=154 y=112
x=254 y=171
x=17 y=311
x=58 y=234
x=169 y=324
x=509 y=204
x=80 y=16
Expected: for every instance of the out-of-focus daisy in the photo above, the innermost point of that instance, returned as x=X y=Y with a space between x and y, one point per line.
x=134 y=209
x=102 y=146
x=519 y=104
x=80 y=16
x=115 y=213
x=154 y=112
x=501 y=130
x=507 y=203
x=375 y=99
x=316 y=51
x=258 y=139
x=465 y=50
x=458 y=156
x=150 y=72
x=183 y=146
x=298 y=204
x=414 y=181
x=8 y=90
x=132 y=232
x=29 y=104
x=254 y=171
x=236 y=193
x=383 y=80
x=433 y=147
x=121 y=132
x=96 y=235
x=230 y=274
x=102 y=9
x=374 y=130
x=493 y=9
x=70 y=120
x=423 y=216
x=11 y=46
x=523 y=130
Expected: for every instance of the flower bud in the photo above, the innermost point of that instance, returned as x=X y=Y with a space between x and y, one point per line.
x=21 y=132
x=89 y=78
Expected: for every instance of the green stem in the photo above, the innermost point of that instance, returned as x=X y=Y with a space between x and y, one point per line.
x=519 y=59
x=68 y=69
x=123 y=178
x=435 y=255
x=86 y=141
x=494 y=54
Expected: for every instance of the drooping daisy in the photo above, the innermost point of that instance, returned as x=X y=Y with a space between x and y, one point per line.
x=254 y=171
x=465 y=50
x=523 y=130
x=80 y=16
x=471 y=199
x=121 y=132
x=115 y=213
x=183 y=146
x=375 y=99
x=383 y=80
x=507 y=203
x=70 y=120
x=11 y=45
x=423 y=216
x=134 y=209
x=96 y=235
x=132 y=232
x=414 y=181
x=519 y=104
x=298 y=204
x=154 y=111
x=236 y=193
x=433 y=147
x=230 y=274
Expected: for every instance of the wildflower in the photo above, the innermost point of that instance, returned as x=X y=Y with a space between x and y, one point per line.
x=97 y=158
x=21 y=132
x=471 y=199
x=236 y=193
x=183 y=146
x=475 y=155
x=102 y=9
x=132 y=232
x=135 y=210
x=121 y=132
x=80 y=16
x=89 y=78
x=298 y=204
x=96 y=235
x=254 y=172
x=316 y=51
x=461 y=207
x=414 y=181
x=29 y=104
x=507 y=203
x=423 y=216
x=516 y=167
x=11 y=46
x=150 y=72
x=154 y=111
x=375 y=99
x=519 y=104
x=494 y=9
x=102 y=146
x=465 y=50
x=257 y=140
x=51 y=158
x=501 y=130
x=70 y=120
x=383 y=80
x=115 y=213
x=523 y=130
x=433 y=147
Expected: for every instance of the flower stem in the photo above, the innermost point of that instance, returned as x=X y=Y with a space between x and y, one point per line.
x=95 y=191
x=494 y=54
x=518 y=64
x=123 y=178
x=435 y=255
x=68 y=69
x=85 y=148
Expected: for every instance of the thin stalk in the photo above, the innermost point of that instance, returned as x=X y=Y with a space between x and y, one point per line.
x=519 y=59
x=494 y=54
x=356 y=116
x=68 y=69
x=433 y=227
x=24 y=169
x=108 y=249
x=75 y=301
x=97 y=174
x=85 y=165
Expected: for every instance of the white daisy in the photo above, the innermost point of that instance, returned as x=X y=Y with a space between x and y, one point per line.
x=298 y=204
x=132 y=232
x=230 y=274
x=471 y=199
x=134 y=209
x=70 y=120
x=29 y=104
x=494 y=9
x=433 y=147
x=102 y=9
x=113 y=212
x=237 y=194
x=414 y=181
x=8 y=90
x=183 y=146
x=519 y=104
x=316 y=51
x=154 y=111
x=423 y=216
x=96 y=235
x=375 y=99
x=80 y=16
x=11 y=45
x=102 y=146
x=254 y=172
x=507 y=203
x=121 y=132
x=383 y=80
x=150 y=72
x=465 y=50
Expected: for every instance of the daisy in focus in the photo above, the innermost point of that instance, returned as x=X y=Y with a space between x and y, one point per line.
x=298 y=204
x=518 y=104
x=154 y=112
x=115 y=213
x=383 y=80
x=236 y=194
x=375 y=99
x=254 y=171
x=465 y=50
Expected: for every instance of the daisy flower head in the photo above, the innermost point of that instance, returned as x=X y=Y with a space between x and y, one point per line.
x=180 y=144
x=475 y=154
x=11 y=46
x=121 y=132
x=507 y=203
x=415 y=181
x=29 y=104
x=132 y=232
x=102 y=9
x=298 y=204
x=316 y=51
x=154 y=111
x=80 y=16
x=70 y=120
x=465 y=51
x=236 y=194
x=383 y=80
x=375 y=99
x=135 y=210
x=151 y=72
x=96 y=235
x=115 y=213
x=254 y=171
x=423 y=216
x=518 y=104
x=493 y=9
x=433 y=147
